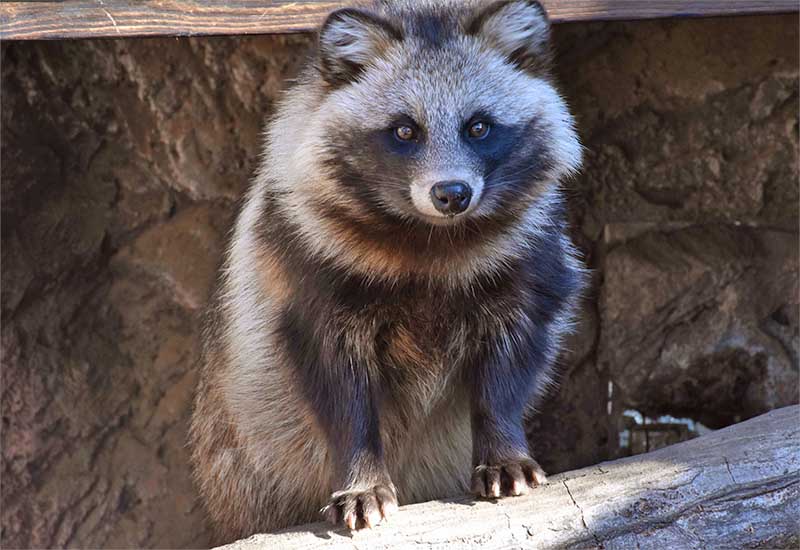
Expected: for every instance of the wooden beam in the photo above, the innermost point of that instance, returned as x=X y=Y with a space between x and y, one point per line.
x=738 y=487
x=118 y=18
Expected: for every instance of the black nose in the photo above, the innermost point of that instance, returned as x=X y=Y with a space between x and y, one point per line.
x=451 y=197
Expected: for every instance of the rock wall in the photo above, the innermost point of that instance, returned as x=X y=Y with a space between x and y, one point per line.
x=122 y=161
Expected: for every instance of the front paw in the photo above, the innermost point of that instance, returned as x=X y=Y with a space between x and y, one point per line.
x=361 y=508
x=510 y=478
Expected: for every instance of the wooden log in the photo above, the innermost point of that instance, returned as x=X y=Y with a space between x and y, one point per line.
x=738 y=487
x=118 y=18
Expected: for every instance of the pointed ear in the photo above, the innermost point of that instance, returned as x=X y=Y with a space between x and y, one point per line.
x=348 y=40
x=519 y=29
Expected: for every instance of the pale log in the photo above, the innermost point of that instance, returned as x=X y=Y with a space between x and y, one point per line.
x=738 y=487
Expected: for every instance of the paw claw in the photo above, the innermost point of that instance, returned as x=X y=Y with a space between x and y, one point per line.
x=512 y=478
x=534 y=474
x=519 y=488
x=388 y=509
x=357 y=509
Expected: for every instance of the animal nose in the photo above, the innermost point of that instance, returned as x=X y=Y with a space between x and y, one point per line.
x=451 y=197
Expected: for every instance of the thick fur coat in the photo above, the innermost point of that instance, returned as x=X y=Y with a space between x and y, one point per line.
x=372 y=343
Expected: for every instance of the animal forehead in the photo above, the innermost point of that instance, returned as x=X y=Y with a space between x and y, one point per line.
x=434 y=19
x=448 y=84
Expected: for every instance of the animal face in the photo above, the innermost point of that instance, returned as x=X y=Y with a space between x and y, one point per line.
x=437 y=114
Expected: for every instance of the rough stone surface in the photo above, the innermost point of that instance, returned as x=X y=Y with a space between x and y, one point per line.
x=700 y=333
x=122 y=161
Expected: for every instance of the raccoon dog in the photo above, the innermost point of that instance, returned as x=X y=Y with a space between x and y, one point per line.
x=398 y=279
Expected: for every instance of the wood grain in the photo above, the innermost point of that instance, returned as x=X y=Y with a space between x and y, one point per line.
x=118 y=18
x=738 y=487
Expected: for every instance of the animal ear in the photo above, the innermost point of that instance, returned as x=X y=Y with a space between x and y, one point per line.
x=349 y=40
x=519 y=29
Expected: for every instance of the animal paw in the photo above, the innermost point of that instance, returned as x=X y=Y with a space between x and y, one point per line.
x=512 y=478
x=357 y=509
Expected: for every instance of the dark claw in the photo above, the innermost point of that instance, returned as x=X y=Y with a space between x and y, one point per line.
x=359 y=509
x=510 y=479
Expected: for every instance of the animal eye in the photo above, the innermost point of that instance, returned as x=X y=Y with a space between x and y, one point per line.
x=405 y=133
x=478 y=129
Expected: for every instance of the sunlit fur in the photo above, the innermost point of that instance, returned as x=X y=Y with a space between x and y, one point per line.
x=343 y=298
